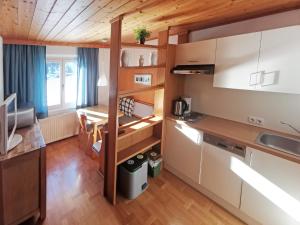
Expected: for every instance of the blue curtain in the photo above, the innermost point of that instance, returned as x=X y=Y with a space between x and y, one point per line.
x=88 y=72
x=24 y=68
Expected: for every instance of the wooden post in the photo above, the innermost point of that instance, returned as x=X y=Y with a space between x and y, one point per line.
x=111 y=154
x=163 y=39
x=183 y=37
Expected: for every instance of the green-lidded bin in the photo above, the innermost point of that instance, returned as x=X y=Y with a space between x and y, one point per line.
x=154 y=163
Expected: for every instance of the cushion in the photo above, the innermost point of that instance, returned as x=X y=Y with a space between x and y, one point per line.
x=126 y=105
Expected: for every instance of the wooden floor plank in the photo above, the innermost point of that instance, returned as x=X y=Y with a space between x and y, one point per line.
x=74 y=196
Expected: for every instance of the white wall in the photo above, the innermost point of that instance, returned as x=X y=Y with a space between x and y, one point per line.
x=58 y=51
x=172 y=40
x=103 y=91
x=1 y=71
x=237 y=104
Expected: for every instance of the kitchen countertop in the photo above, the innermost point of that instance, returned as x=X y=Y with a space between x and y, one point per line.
x=238 y=132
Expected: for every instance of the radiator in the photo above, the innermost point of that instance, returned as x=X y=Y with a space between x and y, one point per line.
x=58 y=127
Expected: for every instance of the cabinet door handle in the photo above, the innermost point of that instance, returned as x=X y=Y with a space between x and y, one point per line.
x=255 y=78
x=269 y=78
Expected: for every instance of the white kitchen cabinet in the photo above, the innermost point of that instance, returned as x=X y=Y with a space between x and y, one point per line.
x=279 y=59
x=183 y=149
x=236 y=61
x=270 y=192
x=201 y=52
x=217 y=176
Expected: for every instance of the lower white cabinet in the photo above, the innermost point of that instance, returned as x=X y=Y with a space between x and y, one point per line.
x=271 y=190
x=183 y=149
x=217 y=176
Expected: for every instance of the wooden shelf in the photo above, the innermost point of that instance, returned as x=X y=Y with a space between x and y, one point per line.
x=135 y=45
x=142 y=67
x=140 y=90
x=133 y=150
x=138 y=126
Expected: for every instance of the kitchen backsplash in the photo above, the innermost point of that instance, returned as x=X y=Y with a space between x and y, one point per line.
x=237 y=105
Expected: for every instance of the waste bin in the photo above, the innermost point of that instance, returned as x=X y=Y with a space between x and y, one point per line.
x=132 y=179
x=154 y=163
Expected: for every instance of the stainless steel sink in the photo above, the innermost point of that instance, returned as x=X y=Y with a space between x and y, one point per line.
x=285 y=144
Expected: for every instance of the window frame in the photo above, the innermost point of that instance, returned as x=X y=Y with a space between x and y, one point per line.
x=62 y=61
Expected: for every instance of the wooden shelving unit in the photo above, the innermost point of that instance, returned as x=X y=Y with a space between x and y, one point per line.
x=135 y=149
x=138 y=126
x=140 y=90
x=142 y=135
x=142 y=67
x=135 y=45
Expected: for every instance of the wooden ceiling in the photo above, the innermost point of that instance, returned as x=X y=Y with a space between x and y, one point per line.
x=87 y=21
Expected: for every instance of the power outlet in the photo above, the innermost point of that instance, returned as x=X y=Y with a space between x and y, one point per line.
x=252 y=119
x=260 y=121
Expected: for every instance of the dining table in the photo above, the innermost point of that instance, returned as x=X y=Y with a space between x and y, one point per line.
x=96 y=116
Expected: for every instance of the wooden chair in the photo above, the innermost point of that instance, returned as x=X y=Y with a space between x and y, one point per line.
x=85 y=135
x=99 y=148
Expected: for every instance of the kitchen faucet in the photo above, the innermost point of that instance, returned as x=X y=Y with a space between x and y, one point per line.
x=291 y=126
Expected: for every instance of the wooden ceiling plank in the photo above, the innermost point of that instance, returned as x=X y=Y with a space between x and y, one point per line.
x=9 y=13
x=41 y=13
x=108 y=9
x=188 y=23
x=25 y=13
x=58 y=11
x=103 y=18
x=88 y=20
x=83 y=17
x=76 y=9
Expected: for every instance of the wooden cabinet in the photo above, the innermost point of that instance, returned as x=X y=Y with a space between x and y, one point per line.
x=201 y=52
x=270 y=193
x=217 y=176
x=236 y=61
x=183 y=149
x=23 y=179
x=279 y=60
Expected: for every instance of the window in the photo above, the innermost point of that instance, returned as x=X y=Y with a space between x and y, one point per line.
x=61 y=83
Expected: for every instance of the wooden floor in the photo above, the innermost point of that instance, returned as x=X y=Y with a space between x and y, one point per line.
x=74 y=196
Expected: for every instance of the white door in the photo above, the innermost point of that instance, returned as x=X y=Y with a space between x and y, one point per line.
x=236 y=61
x=183 y=149
x=279 y=59
x=270 y=192
x=217 y=176
x=201 y=52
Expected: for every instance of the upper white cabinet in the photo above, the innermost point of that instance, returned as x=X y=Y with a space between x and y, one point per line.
x=270 y=192
x=236 y=61
x=201 y=52
x=183 y=149
x=279 y=60
x=217 y=176
x=262 y=61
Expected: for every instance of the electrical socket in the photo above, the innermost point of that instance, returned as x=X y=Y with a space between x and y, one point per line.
x=260 y=121
x=252 y=119
x=256 y=120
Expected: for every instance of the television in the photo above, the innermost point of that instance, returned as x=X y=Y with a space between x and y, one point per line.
x=8 y=138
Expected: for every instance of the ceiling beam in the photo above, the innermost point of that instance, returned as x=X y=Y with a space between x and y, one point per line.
x=33 y=42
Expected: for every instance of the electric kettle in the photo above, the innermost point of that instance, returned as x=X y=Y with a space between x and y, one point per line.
x=179 y=107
